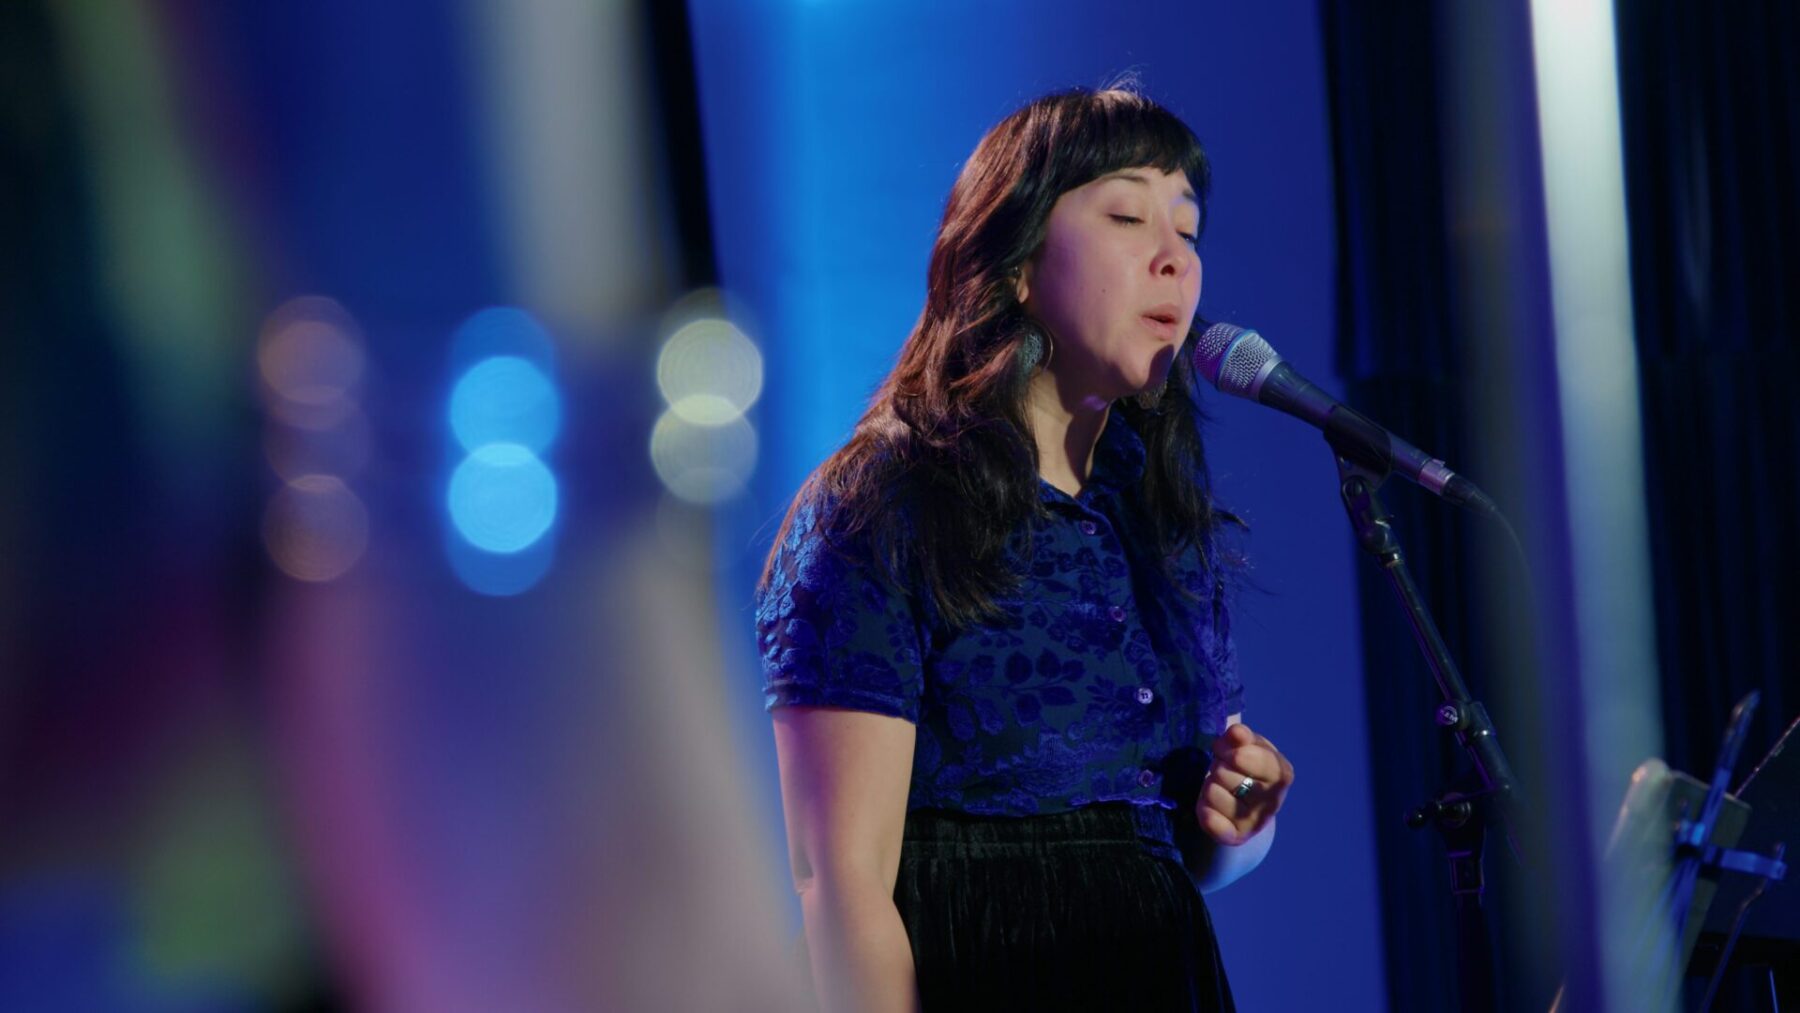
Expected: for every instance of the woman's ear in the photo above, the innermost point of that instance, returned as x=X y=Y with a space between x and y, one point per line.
x=1022 y=281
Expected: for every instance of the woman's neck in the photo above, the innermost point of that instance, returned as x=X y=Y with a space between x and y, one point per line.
x=1066 y=427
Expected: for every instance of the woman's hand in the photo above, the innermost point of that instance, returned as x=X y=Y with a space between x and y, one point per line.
x=1232 y=817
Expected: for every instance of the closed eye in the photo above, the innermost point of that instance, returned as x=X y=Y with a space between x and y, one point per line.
x=1192 y=239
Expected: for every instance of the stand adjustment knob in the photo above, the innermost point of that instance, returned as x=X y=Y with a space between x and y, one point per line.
x=1448 y=815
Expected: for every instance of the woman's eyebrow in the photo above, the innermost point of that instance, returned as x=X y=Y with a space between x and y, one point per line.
x=1138 y=177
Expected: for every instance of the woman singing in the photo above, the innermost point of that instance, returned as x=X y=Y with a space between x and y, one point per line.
x=994 y=625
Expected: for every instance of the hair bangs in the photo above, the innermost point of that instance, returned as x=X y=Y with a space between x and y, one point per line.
x=1117 y=128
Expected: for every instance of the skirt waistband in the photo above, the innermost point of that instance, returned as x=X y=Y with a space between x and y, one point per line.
x=1099 y=824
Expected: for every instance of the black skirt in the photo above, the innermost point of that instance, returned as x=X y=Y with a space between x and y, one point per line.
x=1083 y=910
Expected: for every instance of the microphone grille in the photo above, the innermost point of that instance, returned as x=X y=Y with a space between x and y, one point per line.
x=1232 y=357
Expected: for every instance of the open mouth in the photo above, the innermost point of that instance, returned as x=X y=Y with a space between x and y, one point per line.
x=1166 y=315
x=1163 y=321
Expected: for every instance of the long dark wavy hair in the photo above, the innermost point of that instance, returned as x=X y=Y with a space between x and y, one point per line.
x=942 y=467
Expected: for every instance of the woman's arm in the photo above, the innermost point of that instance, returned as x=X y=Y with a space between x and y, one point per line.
x=845 y=776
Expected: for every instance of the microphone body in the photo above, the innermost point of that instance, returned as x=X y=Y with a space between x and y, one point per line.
x=1239 y=361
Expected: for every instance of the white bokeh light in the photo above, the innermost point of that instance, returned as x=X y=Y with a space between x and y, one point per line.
x=709 y=372
x=703 y=463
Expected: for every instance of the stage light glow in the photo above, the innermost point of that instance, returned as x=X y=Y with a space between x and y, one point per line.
x=703 y=464
x=310 y=357
x=507 y=399
x=502 y=498
x=709 y=372
x=315 y=528
x=1600 y=424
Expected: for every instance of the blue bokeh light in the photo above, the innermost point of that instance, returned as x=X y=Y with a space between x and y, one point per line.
x=500 y=575
x=502 y=498
x=505 y=399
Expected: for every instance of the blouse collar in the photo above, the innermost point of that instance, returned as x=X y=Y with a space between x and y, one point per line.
x=1119 y=459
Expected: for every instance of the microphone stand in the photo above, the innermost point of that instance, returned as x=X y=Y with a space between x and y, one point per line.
x=1461 y=817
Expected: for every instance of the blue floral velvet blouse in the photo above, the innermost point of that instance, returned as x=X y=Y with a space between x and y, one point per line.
x=1102 y=681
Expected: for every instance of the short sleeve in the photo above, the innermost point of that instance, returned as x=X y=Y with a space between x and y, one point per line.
x=833 y=631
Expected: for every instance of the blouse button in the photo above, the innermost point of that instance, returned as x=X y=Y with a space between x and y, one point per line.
x=1089 y=527
x=1146 y=777
x=1117 y=612
x=1145 y=694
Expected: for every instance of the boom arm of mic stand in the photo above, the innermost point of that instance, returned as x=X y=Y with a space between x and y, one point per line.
x=1357 y=484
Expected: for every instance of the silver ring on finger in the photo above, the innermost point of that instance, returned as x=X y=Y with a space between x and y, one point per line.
x=1244 y=787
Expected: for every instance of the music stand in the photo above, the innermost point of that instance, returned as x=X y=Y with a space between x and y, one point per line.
x=1671 y=846
x=1756 y=923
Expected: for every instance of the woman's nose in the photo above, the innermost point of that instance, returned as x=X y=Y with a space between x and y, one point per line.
x=1175 y=259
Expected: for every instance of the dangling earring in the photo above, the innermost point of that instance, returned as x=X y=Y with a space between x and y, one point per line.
x=1035 y=350
x=1149 y=399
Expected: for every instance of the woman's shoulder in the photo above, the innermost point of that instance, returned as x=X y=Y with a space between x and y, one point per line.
x=860 y=527
x=848 y=514
x=830 y=581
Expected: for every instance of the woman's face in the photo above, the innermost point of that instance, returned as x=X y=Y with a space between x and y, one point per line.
x=1117 y=281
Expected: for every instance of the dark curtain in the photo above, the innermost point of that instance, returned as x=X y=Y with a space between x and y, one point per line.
x=1710 y=101
x=1710 y=97
x=1442 y=277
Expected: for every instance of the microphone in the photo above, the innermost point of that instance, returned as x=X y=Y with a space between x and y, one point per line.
x=1238 y=361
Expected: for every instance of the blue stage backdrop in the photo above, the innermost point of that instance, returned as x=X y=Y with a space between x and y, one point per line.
x=833 y=133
